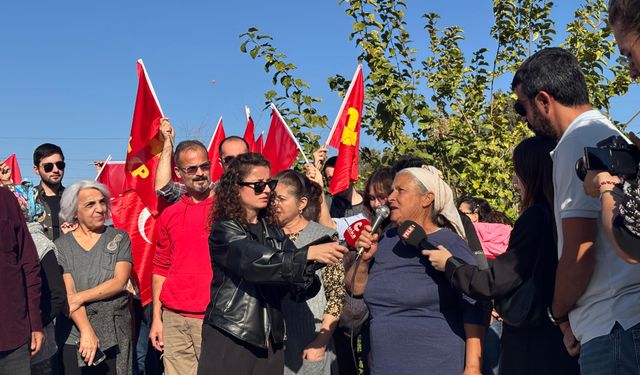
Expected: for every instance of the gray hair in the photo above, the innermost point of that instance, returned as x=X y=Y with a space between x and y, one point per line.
x=69 y=200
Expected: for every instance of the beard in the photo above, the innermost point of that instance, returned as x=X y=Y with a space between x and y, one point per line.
x=200 y=188
x=540 y=125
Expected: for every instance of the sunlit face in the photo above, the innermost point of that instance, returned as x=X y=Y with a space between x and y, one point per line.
x=376 y=198
x=194 y=169
x=287 y=207
x=51 y=163
x=406 y=202
x=249 y=199
x=230 y=149
x=92 y=208
x=535 y=119
x=629 y=46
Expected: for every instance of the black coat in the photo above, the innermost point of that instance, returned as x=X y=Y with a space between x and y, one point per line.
x=250 y=277
x=535 y=349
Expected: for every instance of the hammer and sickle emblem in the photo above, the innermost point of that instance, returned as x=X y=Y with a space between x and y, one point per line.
x=349 y=135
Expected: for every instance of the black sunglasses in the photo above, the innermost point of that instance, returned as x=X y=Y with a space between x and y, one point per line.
x=48 y=167
x=194 y=169
x=258 y=186
x=519 y=108
x=227 y=159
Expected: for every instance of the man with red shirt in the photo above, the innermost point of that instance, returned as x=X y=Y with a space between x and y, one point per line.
x=182 y=268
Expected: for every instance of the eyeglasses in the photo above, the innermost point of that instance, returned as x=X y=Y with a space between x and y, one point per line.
x=194 y=169
x=626 y=57
x=48 y=167
x=519 y=108
x=258 y=186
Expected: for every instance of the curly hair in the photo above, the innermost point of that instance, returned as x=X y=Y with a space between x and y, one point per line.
x=302 y=187
x=227 y=205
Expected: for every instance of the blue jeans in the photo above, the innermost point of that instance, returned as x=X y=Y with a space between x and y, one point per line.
x=492 y=348
x=617 y=353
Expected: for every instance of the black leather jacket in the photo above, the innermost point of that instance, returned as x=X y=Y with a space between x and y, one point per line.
x=250 y=279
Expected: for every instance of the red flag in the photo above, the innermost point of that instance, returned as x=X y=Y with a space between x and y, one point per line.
x=281 y=148
x=129 y=213
x=12 y=162
x=214 y=151
x=112 y=175
x=345 y=135
x=145 y=145
x=248 y=132
x=259 y=144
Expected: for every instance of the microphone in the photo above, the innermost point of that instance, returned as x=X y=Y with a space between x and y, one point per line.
x=413 y=235
x=382 y=212
x=353 y=232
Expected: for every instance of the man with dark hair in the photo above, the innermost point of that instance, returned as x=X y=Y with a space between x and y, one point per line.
x=596 y=293
x=172 y=191
x=48 y=163
x=182 y=269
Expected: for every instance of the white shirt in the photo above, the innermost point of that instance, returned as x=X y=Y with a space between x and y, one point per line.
x=613 y=294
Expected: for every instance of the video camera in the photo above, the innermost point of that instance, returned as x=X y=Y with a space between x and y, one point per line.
x=614 y=155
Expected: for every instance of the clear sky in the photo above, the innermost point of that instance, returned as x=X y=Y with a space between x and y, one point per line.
x=68 y=75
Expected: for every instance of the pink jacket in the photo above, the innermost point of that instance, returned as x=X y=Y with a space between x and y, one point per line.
x=493 y=237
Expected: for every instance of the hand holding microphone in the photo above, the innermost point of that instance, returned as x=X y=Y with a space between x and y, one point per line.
x=382 y=212
x=367 y=243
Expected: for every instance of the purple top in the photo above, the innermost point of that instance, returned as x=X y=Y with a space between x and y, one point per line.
x=417 y=318
x=20 y=310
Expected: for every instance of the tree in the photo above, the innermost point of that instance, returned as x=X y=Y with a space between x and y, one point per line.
x=442 y=107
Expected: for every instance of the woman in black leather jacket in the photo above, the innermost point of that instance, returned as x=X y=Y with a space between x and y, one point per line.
x=254 y=266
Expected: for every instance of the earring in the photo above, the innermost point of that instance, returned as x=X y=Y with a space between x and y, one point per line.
x=299 y=212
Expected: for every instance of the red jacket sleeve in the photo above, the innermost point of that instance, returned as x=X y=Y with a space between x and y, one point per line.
x=162 y=256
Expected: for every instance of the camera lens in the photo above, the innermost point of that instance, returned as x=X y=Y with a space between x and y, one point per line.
x=581 y=169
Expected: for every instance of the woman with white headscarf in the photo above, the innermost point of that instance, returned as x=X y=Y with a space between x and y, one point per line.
x=419 y=323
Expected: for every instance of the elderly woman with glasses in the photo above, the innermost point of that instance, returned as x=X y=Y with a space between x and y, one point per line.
x=419 y=323
x=255 y=265
x=96 y=264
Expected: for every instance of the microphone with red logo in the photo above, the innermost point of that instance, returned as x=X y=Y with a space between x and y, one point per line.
x=382 y=212
x=353 y=232
x=413 y=235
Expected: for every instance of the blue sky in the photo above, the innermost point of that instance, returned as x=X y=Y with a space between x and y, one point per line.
x=68 y=76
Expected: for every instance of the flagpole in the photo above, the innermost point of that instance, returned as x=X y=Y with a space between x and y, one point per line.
x=344 y=102
x=103 y=166
x=273 y=106
x=214 y=133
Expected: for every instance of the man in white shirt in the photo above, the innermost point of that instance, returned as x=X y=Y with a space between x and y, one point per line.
x=597 y=294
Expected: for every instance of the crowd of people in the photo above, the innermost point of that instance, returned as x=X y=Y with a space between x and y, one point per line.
x=263 y=274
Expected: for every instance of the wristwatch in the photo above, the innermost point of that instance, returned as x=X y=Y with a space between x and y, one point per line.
x=554 y=320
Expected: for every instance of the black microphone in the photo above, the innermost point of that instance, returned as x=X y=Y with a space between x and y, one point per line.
x=413 y=235
x=382 y=212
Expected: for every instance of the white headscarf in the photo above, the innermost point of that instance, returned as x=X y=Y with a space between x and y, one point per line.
x=431 y=178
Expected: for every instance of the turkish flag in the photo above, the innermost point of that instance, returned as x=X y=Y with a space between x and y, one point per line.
x=281 y=148
x=214 y=151
x=249 y=131
x=112 y=175
x=345 y=135
x=259 y=144
x=129 y=213
x=145 y=144
x=12 y=162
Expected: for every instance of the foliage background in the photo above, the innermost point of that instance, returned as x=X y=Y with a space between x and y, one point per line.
x=426 y=99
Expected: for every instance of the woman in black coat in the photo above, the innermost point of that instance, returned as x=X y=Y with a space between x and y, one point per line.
x=535 y=347
x=254 y=266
